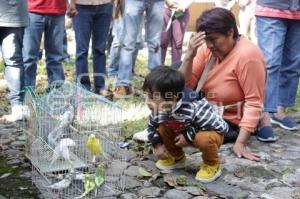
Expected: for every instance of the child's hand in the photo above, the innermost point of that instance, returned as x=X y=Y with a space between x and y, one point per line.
x=180 y=141
x=161 y=152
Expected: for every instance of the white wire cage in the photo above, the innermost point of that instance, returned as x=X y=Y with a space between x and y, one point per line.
x=58 y=126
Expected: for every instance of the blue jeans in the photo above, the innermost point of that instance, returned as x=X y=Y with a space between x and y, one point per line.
x=53 y=29
x=134 y=10
x=279 y=39
x=11 y=40
x=92 y=22
x=115 y=50
x=65 y=47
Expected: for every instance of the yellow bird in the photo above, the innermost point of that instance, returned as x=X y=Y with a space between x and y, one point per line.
x=94 y=146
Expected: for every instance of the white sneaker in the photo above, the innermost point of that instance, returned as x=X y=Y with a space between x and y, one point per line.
x=141 y=136
x=26 y=113
x=16 y=114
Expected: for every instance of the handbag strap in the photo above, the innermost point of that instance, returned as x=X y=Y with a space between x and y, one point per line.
x=204 y=75
x=208 y=66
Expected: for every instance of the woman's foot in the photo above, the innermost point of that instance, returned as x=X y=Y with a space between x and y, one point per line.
x=264 y=132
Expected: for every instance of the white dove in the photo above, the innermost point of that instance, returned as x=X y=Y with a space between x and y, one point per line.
x=64 y=183
x=65 y=120
x=62 y=150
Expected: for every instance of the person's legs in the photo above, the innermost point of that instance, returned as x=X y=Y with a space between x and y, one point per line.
x=102 y=18
x=154 y=24
x=271 y=38
x=177 y=158
x=289 y=77
x=66 y=56
x=290 y=68
x=114 y=56
x=168 y=136
x=54 y=36
x=244 y=19
x=165 y=35
x=132 y=18
x=139 y=42
x=209 y=142
x=271 y=33
x=82 y=24
x=31 y=47
x=178 y=29
x=11 y=42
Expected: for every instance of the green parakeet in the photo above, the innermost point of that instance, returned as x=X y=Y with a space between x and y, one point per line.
x=100 y=175
x=94 y=146
x=89 y=185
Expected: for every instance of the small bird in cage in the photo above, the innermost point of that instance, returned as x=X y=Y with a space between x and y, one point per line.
x=64 y=183
x=89 y=185
x=100 y=175
x=94 y=146
x=62 y=150
x=65 y=120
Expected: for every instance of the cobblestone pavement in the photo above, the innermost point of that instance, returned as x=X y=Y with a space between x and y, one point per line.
x=276 y=176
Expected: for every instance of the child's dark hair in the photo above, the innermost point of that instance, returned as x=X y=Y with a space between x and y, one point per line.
x=164 y=80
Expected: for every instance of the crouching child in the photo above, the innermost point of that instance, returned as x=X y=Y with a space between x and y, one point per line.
x=178 y=119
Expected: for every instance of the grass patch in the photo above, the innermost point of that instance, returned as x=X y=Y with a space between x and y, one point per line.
x=131 y=127
x=1 y=66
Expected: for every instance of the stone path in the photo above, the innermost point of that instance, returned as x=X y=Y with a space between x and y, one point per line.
x=276 y=176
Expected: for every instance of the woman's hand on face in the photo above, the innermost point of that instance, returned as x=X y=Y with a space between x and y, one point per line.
x=241 y=151
x=195 y=42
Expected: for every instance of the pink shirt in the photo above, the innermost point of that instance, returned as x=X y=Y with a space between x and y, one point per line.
x=263 y=11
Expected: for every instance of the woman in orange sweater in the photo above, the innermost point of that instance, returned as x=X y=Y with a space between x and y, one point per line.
x=236 y=80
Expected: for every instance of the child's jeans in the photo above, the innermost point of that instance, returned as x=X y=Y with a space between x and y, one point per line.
x=208 y=142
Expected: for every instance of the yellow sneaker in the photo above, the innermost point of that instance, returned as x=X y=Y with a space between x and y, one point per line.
x=208 y=173
x=171 y=163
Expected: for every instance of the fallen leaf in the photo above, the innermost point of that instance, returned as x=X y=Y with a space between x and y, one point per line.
x=195 y=191
x=287 y=170
x=154 y=177
x=144 y=173
x=170 y=180
x=181 y=180
x=240 y=173
x=5 y=175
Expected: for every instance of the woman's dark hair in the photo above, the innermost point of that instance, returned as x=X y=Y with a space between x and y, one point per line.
x=217 y=20
x=166 y=81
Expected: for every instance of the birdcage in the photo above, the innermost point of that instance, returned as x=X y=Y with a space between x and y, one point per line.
x=72 y=142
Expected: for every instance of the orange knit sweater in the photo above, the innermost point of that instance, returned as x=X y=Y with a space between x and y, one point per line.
x=239 y=77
